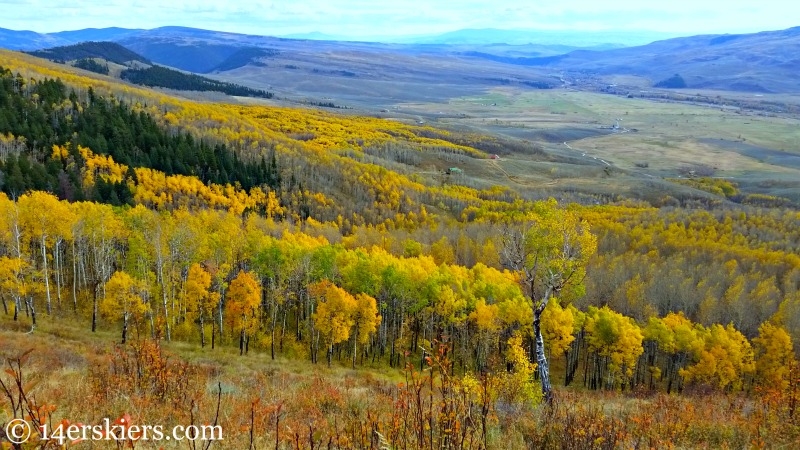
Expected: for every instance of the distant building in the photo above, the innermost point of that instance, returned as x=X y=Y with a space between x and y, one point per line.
x=453 y=171
x=494 y=157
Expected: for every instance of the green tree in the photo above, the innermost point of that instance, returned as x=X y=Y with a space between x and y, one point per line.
x=551 y=256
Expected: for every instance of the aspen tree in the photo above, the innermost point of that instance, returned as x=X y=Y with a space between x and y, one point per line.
x=551 y=256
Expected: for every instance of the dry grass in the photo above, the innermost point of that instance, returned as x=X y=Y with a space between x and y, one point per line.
x=290 y=404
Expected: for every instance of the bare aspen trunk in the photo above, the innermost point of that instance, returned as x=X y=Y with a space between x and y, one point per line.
x=541 y=359
x=213 y=332
x=355 y=344
x=46 y=275
x=272 y=340
x=152 y=325
x=283 y=330
x=219 y=312
x=202 y=331
x=241 y=342
x=74 y=280
x=124 y=327
x=94 y=309
x=32 y=308
x=57 y=262
x=164 y=297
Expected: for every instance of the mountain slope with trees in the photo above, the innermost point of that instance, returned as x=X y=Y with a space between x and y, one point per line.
x=109 y=127
x=110 y=51
x=158 y=76
x=85 y=55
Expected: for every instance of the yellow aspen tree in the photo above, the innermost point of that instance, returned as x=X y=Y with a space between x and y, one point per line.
x=442 y=251
x=615 y=338
x=16 y=243
x=241 y=307
x=487 y=321
x=48 y=221
x=334 y=315
x=726 y=358
x=774 y=356
x=680 y=340
x=102 y=233
x=11 y=270
x=519 y=385
x=557 y=327
x=200 y=300
x=124 y=298
x=365 y=321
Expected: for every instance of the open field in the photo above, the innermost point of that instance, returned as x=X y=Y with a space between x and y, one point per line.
x=654 y=140
x=651 y=118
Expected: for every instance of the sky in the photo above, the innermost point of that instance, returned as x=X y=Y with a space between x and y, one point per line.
x=366 y=18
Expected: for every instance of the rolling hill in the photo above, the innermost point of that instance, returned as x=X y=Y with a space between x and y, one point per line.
x=760 y=62
x=28 y=40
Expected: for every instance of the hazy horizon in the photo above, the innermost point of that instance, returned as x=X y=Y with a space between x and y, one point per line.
x=361 y=19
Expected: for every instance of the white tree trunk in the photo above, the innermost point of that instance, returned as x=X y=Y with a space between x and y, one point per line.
x=46 y=275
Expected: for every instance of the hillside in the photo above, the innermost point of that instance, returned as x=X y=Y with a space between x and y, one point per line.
x=109 y=51
x=95 y=34
x=28 y=40
x=86 y=54
x=158 y=76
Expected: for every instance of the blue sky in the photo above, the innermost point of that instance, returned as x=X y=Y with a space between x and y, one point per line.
x=364 y=18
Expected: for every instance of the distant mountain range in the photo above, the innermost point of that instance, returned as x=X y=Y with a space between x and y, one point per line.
x=599 y=39
x=487 y=36
x=29 y=40
x=760 y=62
